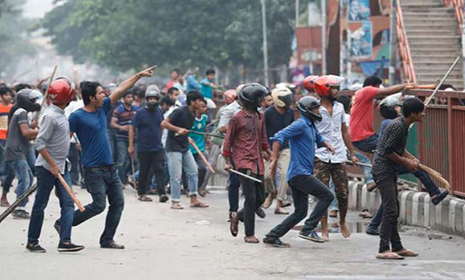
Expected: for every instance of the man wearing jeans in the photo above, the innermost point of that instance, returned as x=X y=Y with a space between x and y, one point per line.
x=390 y=155
x=102 y=181
x=17 y=144
x=362 y=115
x=121 y=122
x=6 y=174
x=177 y=147
x=53 y=144
x=303 y=136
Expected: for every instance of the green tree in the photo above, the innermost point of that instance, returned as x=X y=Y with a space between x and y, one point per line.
x=13 y=36
x=128 y=34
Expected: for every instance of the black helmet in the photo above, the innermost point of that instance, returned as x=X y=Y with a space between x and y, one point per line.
x=252 y=94
x=305 y=106
x=388 y=104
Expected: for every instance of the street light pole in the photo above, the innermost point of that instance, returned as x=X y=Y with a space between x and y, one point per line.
x=323 y=35
x=265 y=43
x=297 y=12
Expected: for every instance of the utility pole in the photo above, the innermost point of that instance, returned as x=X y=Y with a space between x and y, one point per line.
x=393 y=44
x=297 y=12
x=265 y=43
x=323 y=35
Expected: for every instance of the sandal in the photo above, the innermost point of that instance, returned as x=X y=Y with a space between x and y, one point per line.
x=144 y=198
x=251 y=239
x=176 y=206
x=406 y=253
x=234 y=227
x=389 y=256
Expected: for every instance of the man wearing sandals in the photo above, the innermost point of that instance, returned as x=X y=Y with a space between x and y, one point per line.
x=390 y=155
x=177 y=147
x=101 y=177
x=147 y=124
x=245 y=142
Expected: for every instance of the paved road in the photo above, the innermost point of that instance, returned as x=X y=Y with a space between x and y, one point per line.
x=196 y=244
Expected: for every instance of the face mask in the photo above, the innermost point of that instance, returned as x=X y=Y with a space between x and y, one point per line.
x=152 y=105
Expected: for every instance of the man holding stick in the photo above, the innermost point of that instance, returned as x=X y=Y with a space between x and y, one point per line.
x=53 y=144
x=177 y=147
x=101 y=177
x=245 y=142
x=389 y=157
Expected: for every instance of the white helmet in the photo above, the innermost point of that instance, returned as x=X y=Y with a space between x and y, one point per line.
x=282 y=96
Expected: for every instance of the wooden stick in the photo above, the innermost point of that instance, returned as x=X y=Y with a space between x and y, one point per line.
x=46 y=92
x=71 y=193
x=201 y=155
x=436 y=175
x=421 y=87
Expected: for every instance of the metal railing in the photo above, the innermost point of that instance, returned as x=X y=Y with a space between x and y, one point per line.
x=404 y=47
x=458 y=6
x=439 y=141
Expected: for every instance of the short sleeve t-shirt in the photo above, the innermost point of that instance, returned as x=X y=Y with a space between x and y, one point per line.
x=91 y=130
x=362 y=114
x=123 y=117
x=180 y=117
x=4 y=110
x=206 y=90
x=199 y=140
x=148 y=130
x=16 y=144
x=274 y=122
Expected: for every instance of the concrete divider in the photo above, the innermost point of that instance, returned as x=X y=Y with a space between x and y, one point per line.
x=416 y=208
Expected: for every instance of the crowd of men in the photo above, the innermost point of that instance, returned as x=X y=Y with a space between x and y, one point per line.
x=168 y=142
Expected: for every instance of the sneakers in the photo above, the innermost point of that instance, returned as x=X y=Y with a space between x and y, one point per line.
x=440 y=197
x=35 y=248
x=372 y=231
x=275 y=242
x=69 y=247
x=163 y=198
x=21 y=214
x=312 y=236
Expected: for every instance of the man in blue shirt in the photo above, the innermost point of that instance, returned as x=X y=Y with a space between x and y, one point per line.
x=191 y=81
x=147 y=124
x=302 y=136
x=102 y=181
x=207 y=84
x=121 y=122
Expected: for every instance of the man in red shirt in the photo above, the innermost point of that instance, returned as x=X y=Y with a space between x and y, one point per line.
x=362 y=114
x=6 y=174
x=174 y=78
x=245 y=142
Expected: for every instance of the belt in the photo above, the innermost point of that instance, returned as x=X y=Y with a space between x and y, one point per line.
x=99 y=168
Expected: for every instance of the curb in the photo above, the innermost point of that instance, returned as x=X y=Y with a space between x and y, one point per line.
x=416 y=209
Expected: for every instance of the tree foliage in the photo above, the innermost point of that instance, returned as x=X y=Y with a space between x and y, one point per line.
x=13 y=35
x=127 y=34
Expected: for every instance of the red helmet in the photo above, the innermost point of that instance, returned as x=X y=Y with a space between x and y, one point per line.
x=324 y=83
x=230 y=96
x=309 y=83
x=61 y=91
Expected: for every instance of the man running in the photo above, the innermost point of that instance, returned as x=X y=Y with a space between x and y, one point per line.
x=303 y=137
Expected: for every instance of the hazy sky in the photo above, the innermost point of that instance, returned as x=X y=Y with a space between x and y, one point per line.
x=37 y=8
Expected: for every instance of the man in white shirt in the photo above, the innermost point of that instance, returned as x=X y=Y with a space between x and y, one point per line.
x=332 y=165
